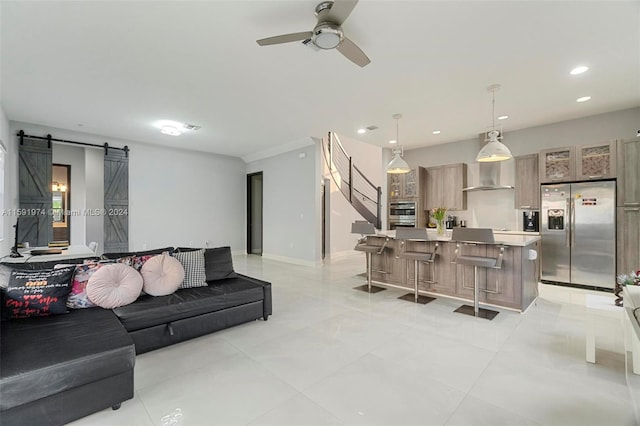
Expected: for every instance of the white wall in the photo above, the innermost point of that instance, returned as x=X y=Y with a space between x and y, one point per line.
x=368 y=158
x=291 y=199
x=496 y=208
x=176 y=197
x=10 y=183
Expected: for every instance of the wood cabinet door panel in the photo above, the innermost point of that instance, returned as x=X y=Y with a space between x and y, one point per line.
x=464 y=273
x=527 y=188
x=434 y=187
x=445 y=271
x=628 y=153
x=502 y=281
x=628 y=241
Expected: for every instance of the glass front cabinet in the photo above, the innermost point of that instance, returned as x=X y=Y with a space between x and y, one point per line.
x=584 y=162
x=596 y=161
x=557 y=165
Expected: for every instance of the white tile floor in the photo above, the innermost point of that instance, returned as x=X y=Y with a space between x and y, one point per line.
x=331 y=355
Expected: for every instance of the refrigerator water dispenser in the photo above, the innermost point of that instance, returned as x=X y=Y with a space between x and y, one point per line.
x=555 y=219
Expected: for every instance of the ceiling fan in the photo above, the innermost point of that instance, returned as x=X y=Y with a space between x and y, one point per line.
x=327 y=34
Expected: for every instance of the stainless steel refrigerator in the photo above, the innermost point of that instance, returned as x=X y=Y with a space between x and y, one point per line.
x=578 y=231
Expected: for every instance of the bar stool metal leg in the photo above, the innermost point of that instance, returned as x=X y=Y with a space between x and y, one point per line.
x=368 y=287
x=476 y=310
x=416 y=297
x=476 y=301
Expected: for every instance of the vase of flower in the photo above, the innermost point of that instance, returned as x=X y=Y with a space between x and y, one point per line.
x=438 y=214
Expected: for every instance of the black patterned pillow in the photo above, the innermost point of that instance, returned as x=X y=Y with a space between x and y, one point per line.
x=37 y=293
x=194 y=272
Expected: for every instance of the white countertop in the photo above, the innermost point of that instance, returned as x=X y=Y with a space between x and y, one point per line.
x=508 y=238
x=70 y=252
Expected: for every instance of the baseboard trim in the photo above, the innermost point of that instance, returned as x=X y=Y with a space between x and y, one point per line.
x=347 y=254
x=291 y=260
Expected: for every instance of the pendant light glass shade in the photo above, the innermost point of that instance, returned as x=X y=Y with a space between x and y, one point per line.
x=397 y=163
x=494 y=150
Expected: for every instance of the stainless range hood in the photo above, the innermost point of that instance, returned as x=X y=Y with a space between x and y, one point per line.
x=489 y=176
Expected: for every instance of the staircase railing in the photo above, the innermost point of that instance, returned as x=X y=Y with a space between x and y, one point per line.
x=361 y=193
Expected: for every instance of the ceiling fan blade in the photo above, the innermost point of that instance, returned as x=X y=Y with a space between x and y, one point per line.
x=340 y=10
x=285 y=38
x=353 y=53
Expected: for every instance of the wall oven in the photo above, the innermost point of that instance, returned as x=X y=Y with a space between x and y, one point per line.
x=402 y=214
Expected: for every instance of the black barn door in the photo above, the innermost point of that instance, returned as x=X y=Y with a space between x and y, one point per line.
x=116 y=201
x=34 y=174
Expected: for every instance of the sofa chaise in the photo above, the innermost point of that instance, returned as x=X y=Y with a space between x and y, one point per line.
x=59 y=368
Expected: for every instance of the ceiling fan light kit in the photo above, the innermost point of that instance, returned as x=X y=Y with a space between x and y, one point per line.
x=327 y=34
x=494 y=150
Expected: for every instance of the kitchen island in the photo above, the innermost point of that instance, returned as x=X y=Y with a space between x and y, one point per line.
x=514 y=286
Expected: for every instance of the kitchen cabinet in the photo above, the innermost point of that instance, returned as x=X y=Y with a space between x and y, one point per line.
x=628 y=241
x=464 y=273
x=388 y=267
x=444 y=187
x=557 y=165
x=443 y=274
x=628 y=152
x=406 y=185
x=499 y=289
x=527 y=187
x=596 y=161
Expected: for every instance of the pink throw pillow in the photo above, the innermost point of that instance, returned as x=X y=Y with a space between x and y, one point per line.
x=162 y=275
x=114 y=285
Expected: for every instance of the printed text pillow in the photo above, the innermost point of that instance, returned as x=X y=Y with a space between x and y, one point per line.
x=37 y=293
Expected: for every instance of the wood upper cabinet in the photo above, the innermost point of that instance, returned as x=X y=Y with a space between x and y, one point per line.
x=444 y=187
x=628 y=241
x=434 y=196
x=596 y=161
x=406 y=185
x=628 y=153
x=527 y=193
x=557 y=165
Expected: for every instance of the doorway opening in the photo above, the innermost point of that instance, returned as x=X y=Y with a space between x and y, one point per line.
x=61 y=197
x=254 y=213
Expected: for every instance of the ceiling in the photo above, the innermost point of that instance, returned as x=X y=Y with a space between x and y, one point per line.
x=116 y=67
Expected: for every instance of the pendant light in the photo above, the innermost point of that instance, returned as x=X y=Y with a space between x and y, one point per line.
x=397 y=164
x=494 y=150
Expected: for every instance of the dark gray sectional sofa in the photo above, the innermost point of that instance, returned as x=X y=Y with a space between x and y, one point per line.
x=56 y=369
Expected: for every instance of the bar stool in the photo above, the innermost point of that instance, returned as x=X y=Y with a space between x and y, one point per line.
x=473 y=236
x=365 y=228
x=417 y=235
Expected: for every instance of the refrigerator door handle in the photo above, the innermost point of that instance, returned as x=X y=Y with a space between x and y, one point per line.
x=573 y=222
x=567 y=227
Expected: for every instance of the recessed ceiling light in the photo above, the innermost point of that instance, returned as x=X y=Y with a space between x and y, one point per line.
x=579 y=70
x=170 y=130
x=436 y=132
x=392 y=141
x=503 y=117
x=361 y=131
x=583 y=99
x=175 y=128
